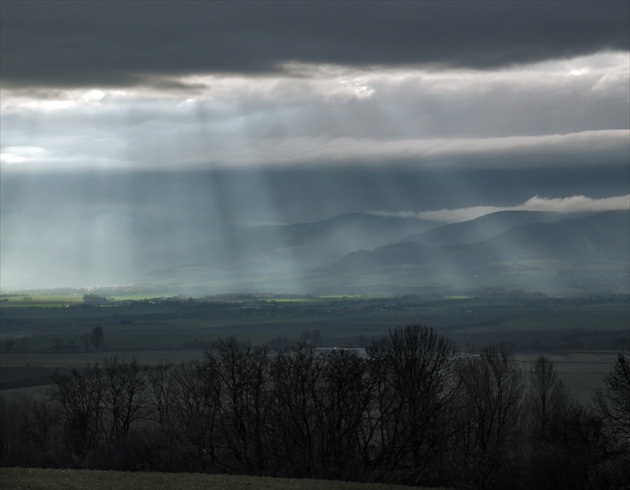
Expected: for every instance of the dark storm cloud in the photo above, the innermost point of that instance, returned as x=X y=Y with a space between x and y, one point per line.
x=125 y=43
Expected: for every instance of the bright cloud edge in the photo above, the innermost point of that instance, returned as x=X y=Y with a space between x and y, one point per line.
x=571 y=204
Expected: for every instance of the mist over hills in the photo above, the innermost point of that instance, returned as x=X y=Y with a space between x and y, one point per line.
x=482 y=228
x=569 y=253
x=531 y=250
x=281 y=255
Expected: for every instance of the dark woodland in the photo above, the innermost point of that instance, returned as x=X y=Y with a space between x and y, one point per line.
x=411 y=409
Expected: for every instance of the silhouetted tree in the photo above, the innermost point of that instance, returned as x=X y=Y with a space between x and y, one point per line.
x=80 y=395
x=244 y=403
x=413 y=411
x=97 y=337
x=319 y=401
x=491 y=407
x=124 y=400
x=549 y=400
x=296 y=376
x=614 y=401
x=414 y=368
x=556 y=454
x=43 y=432
x=94 y=339
x=160 y=388
x=12 y=411
x=191 y=411
x=345 y=405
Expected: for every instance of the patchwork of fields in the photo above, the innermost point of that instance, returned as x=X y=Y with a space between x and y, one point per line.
x=40 y=334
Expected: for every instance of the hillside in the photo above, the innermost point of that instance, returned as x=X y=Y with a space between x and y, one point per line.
x=481 y=228
x=558 y=253
x=585 y=252
x=239 y=251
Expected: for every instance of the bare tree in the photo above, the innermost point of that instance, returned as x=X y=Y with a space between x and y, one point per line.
x=491 y=407
x=125 y=398
x=296 y=377
x=244 y=403
x=97 y=337
x=193 y=410
x=346 y=397
x=159 y=390
x=415 y=370
x=80 y=395
x=13 y=422
x=614 y=401
x=549 y=400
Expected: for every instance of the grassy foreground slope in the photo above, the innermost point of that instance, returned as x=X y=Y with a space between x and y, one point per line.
x=47 y=479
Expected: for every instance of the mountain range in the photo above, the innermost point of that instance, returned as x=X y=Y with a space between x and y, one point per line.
x=570 y=253
x=551 y=252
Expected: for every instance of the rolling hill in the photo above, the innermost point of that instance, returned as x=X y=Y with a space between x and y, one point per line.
x=538 y=251
x=572 y=253
x=481 y=228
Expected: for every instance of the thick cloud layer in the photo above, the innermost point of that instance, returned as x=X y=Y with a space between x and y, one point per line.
x=561 y=113
x=123 y=121
x=98 y=43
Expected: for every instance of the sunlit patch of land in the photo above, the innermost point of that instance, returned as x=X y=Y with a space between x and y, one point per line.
x=40 y=300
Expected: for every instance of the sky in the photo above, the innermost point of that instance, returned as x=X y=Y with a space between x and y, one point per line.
x=281 y=112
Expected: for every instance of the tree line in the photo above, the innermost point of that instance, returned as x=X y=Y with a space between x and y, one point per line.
x=414 y=410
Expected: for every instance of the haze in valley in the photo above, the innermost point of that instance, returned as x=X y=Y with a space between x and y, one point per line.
x=315 y=147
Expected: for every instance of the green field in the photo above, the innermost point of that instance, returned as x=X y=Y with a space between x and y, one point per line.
x=41 y=300
x=47 y=479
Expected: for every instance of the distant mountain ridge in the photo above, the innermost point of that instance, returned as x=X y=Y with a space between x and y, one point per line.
x=531 y=250
x=518 y=249
x=481 y=228
x=273 y=250
x=561 y=253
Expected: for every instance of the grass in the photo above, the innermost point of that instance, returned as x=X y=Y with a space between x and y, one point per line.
x=48 y=479
x=41 y=301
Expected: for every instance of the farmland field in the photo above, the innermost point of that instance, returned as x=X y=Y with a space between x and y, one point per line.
x=42 y=333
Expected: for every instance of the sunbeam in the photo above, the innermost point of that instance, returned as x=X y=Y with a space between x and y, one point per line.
x=244 y=172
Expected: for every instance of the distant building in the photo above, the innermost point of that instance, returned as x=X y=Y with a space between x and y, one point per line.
x=358 y=351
